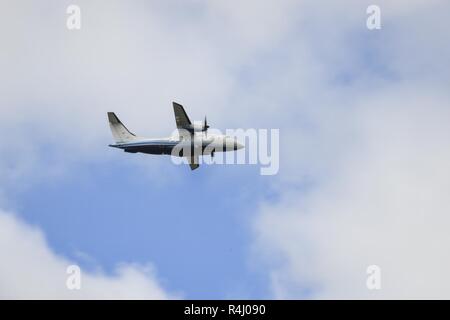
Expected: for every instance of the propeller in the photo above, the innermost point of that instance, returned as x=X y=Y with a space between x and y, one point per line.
x=205 y=127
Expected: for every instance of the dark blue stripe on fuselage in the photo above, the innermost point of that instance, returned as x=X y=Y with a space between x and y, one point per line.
x=153 y=147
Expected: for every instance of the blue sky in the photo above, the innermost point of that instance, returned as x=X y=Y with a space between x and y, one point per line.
x=194 y=229
x=363 y=173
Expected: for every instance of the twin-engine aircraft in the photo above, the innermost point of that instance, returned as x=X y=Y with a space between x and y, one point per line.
x=193 y=139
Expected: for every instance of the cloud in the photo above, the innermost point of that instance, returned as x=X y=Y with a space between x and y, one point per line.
x=57 y=86
x=366 y=182
x=368 y=179
x=384 y=202
x=134 y=59
x=29 y=269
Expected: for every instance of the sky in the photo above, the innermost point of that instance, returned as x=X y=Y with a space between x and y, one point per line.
x=364 y=150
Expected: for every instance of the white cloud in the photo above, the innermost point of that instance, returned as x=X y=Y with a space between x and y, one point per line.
x=29 y=269
x=368 y=180
x=372 y=152
x=131 y=58
x=57 y=86
x=385 y=202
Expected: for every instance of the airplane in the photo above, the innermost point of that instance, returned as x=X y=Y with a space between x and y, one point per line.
x=192 y=140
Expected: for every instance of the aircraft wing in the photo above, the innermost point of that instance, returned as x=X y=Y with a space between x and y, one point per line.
x=183 y=124
x=193 y=162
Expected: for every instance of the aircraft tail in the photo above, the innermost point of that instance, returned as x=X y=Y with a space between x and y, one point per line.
x=119 y=131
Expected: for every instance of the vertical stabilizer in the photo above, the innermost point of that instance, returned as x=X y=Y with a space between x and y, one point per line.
x=120 y=133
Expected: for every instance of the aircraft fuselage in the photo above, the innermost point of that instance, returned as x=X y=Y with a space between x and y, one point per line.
x=203 y=145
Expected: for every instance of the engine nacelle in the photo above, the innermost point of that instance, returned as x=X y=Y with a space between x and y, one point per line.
x=199 y=127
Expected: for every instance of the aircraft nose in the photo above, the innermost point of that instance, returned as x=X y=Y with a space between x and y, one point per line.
x=238 y=146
